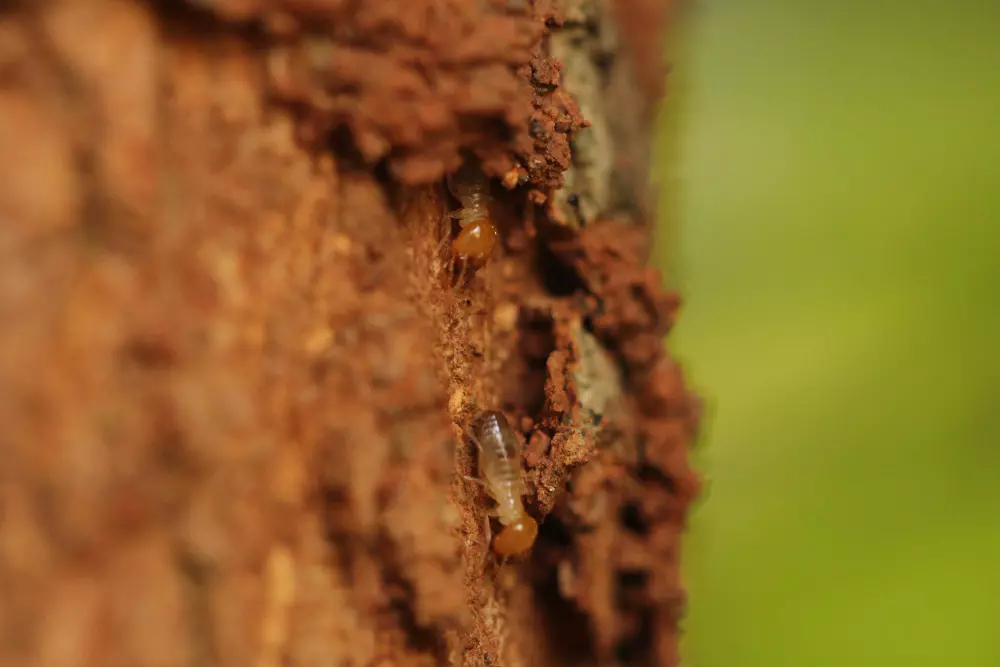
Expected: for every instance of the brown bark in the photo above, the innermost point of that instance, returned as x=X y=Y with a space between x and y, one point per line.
x=236 y=365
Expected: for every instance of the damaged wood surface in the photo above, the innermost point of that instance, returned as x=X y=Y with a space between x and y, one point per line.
x=237 y=363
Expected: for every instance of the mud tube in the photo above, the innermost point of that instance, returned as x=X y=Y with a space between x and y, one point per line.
x=238 y=359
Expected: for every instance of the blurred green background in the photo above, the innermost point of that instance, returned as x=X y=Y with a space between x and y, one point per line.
x=833 y=223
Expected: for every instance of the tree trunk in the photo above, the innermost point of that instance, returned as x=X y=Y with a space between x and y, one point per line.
x=238 y=359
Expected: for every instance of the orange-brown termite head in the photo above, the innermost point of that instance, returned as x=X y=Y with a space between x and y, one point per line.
x=500 y=470
x=476 y=241
x=516 y=538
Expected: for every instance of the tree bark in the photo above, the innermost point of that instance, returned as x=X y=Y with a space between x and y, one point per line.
x=237 y=359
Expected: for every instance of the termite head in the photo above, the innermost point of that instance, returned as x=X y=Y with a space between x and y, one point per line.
x=476 y=240
x=516 y=537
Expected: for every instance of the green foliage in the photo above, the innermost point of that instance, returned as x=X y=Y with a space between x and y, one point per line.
x=838 y=178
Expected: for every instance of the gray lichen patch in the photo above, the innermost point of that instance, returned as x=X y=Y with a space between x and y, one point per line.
x=609 y=170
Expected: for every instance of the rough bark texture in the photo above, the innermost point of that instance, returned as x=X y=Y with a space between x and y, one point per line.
x=236 y=362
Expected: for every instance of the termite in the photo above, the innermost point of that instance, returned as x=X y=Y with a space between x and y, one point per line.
x=500 y=474
x=479 y=234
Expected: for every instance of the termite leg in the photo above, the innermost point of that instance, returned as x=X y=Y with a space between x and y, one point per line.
x=445 y=228
x=474 y=439
x=445 y=242
x=461 y=273
x=445 y=245
x=474 y=480
x=479 y=446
